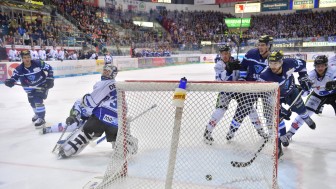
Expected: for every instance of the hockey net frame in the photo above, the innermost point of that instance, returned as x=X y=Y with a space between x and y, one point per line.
x=123 y=167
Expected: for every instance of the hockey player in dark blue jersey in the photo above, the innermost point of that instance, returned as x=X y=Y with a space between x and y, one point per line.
x=281 y=70
x=252 y=65
x=31 y=74
x=254 y=61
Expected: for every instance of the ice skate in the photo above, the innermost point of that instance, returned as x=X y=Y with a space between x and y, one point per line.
x=230 y=134
x=262 y=133
x=35 y=118
x=45 y=130
x=39 y=123
x=311 y=124
x=61 y=153
x=286 y=138
x=280 y=152
x=207 y=138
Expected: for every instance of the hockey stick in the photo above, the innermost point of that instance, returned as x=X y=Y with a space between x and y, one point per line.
x=101 y=139
x=60 y=138
x=236 y=72
x=30 y=87
x=245 y=164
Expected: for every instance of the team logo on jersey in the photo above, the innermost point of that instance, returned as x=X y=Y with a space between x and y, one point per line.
x=31 y=77
x=258 y=68
x=37 y=69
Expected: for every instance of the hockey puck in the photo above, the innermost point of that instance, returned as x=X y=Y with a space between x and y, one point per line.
x=208 y=177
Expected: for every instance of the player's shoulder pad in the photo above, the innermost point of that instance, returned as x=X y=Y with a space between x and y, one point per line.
x=252 y=53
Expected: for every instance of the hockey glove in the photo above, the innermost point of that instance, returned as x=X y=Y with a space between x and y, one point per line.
x=233 y=65
x=71 y=120
x=285 y=114
x=330 y=85
x=305 y=83
x=10 y=82
x=49 y=82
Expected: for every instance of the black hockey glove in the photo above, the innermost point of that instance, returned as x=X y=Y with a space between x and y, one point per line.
x=305 y=83
x=233 y=65
x=71 y=120
x=10 y=82
x=49 y=82
x=285 y=114
x=330 y=85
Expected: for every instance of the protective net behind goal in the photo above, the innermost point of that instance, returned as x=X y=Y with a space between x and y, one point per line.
x=162 y=146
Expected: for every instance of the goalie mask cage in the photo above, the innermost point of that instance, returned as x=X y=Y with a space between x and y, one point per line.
x=164 y=147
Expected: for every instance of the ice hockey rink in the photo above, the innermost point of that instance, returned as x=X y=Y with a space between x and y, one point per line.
x=26 y=161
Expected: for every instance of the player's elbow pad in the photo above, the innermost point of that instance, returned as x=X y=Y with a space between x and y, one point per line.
x=88 y=101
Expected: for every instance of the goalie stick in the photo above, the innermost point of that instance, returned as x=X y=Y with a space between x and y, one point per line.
x=245 y=164
x=60 y=138
x=101 y=139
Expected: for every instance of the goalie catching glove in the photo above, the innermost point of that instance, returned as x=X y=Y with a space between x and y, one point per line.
x=330 y=85
x=305 y=82
x=233 y=65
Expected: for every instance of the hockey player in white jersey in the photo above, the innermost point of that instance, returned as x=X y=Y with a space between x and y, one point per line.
x=108 y=58
x=13 y=55
x=332 y=60
x=104 y=118
x=33 y=53
x=42 y=53
x=324 y=92
x=53 y=54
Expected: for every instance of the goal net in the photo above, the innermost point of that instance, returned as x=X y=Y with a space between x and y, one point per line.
x=162 y=146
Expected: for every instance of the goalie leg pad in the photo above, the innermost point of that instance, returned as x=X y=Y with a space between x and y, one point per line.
x=76 y=143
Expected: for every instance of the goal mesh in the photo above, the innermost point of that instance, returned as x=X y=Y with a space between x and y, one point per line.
x=161 y=146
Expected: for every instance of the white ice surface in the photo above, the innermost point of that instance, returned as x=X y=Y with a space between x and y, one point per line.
x=26 y=161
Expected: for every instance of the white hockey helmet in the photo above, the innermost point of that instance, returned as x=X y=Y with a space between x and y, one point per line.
x=112 y=71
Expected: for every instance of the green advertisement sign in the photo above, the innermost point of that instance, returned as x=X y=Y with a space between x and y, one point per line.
x=274 y=6
x=237 y=22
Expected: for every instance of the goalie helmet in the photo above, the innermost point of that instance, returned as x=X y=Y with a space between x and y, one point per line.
x=226 y=48
x=321 y=59
x=113 y=71
x=266 y=39
x=275 y=56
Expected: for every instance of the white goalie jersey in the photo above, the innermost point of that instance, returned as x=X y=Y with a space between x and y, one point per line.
x=320 y=83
